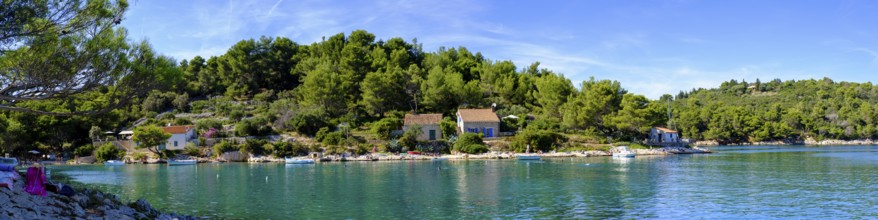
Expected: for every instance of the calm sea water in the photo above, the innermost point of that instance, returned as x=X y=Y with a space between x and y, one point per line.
x=756 y=182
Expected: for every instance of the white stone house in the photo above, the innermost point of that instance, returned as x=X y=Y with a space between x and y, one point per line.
x=180 y=135
x=429 y=124
x=483 y=121
x=660 y=135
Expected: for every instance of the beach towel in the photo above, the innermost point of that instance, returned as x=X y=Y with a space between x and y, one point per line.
x=35 y=181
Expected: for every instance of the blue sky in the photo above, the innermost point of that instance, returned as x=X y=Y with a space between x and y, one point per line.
x=651 y=47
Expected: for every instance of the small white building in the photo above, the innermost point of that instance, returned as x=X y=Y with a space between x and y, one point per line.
x=429 y=124
x=483 y=121
x=180 y=135
x=660 y=135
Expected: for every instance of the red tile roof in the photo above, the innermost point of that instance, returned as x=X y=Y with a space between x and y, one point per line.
x=422 y=119
x=177 y=129
x=478 y=115
x=666 y=130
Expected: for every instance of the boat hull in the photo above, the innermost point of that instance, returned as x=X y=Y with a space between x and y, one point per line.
x=182 y=162
x=114 y=163
x=298 y=161
x=528 y=157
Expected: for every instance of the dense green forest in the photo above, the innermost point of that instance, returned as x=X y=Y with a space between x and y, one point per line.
x=791 y=111
x=346 y=87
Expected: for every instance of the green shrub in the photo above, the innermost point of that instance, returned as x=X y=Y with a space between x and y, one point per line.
x=192 y=150
x=84 y=150
x=108 y=151
x=307 y=124
x=321 y=134
x=222 y=147
x=384 y=127
x=257 y=126
x=539 y=140
x=333 y=138
x=205 y=124
x=253 y=146
x=470 y=143
x=448 y=127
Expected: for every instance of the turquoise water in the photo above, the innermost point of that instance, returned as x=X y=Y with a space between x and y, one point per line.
x=736 y=182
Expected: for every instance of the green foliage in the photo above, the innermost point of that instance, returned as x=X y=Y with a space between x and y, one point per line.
x=108 y=152
x=393 y=146
x=150 y=137
x=84 y=151
x=256 y=126
x=284 y=149
x=539 y=140
x=382 y=128
x=222 y=147
x=470 y=143
x=409 y=139
x=254 y=146
x=334 y=138
x=192 y=150
x=448 y=127
x=206 y=124
x=307 y=124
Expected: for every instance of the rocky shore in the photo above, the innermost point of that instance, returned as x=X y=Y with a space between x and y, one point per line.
x=15 y=203
x=808 y=141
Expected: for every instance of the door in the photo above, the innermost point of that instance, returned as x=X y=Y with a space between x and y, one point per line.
x=432 y=135
x=489 y=132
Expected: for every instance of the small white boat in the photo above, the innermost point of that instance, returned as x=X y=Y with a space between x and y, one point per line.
x=298 y=161
x=182 y=162
x=114 y=163
x=623 y=151
x=528 y=156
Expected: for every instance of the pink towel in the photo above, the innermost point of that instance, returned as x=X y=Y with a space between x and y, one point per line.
x=35 y=181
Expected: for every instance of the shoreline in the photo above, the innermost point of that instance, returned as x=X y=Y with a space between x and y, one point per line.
x=806 y=142
x=85 y=203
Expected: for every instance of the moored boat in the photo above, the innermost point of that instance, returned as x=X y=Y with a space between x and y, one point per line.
x=114 y=163
x=298 y=161
x=527 y=156
x=182 y=162
x=623 y=151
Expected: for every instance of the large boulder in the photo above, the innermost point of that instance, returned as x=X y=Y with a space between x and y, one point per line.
x=233 y=156
x=86 y=160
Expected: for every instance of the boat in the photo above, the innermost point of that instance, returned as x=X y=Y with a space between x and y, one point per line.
x=182 y=162
x=623 y=151
x=298 y=161
x=114 y=163
x=9 y=161
x=527 y=155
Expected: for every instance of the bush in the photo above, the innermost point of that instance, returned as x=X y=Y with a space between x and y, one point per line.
x=222 y=147
x=321 y=134
x=139 y=156
x=384 y=127
x=393 y=146
x=253 y=146
x=470 y=143
x=284 y=149
x=108 y=151
x=182 y=121
x=192 y=150
x=205 y=124
x=307 y=124
x=257 y=126
x=539 y=140
x=84 y=150
x=333 y=138
x=448 y=127
x=409 y=139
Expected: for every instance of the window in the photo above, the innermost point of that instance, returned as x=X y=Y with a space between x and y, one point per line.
x=175 y=143
x=432 y=135
x=489 y=132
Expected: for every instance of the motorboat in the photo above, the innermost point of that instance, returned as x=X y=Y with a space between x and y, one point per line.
x=182 y=162
x=114 y=163
x=623 y=151
x=298 y=161
x=528 y=156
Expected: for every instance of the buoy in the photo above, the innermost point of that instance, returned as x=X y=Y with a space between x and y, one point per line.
x=217 y=175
